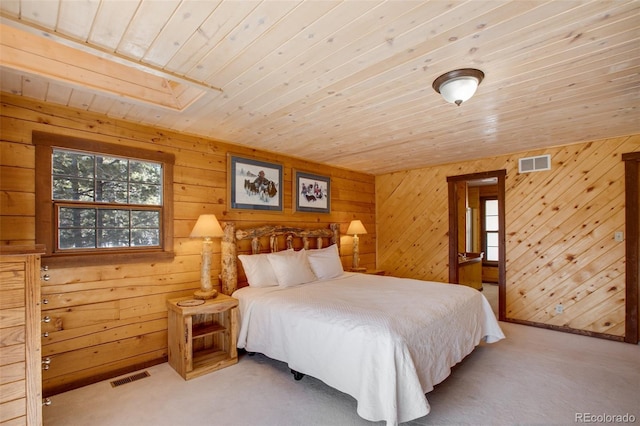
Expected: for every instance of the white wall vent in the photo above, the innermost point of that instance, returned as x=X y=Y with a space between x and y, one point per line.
x=534 y=164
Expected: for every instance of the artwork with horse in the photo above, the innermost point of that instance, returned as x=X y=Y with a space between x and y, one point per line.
x=264 y=190
x=261 y=186
x=255 y=184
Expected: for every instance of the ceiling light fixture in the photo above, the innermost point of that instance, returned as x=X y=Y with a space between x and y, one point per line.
x=458 y=86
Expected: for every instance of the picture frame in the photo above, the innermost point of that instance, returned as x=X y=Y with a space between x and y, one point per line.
x=311 y=192
x=254 y=184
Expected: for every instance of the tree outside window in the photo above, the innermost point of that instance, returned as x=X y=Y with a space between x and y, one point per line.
x=130 y=192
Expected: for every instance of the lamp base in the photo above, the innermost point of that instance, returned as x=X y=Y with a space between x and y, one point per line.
x=204 y=295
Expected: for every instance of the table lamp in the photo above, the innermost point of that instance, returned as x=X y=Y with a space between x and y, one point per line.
x=356 y=227
x=207 y=227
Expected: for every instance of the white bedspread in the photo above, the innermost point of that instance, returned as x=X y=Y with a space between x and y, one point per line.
x=385 y=341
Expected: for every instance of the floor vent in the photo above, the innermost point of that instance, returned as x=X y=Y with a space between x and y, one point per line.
x=129 y=379
x=534 y=164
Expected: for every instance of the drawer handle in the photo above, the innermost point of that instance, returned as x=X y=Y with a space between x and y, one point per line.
x=45 y=367
x=46 y=319
x=46 y=277
x=46 y=360
x=45 y=334
x=46 y=402
x=44 y=268
x=45 y=301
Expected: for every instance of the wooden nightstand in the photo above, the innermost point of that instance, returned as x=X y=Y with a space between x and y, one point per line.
x=369 y=271
x=202 y=337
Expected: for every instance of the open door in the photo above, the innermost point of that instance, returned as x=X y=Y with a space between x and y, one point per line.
x=458 y=218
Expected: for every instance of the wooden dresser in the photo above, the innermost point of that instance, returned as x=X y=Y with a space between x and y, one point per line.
x=20 y=340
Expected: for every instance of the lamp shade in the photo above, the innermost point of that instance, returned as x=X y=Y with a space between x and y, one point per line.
x=356 y=228
x=207 y=226
x=458 y=86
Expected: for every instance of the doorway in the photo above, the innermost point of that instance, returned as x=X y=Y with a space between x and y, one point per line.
x=459 y=228
x=632 y=244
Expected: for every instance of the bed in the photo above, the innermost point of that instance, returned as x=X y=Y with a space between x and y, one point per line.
x=383 y=340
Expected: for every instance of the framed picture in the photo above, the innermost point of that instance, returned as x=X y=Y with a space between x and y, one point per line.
x=312 y=193
x=254 y=184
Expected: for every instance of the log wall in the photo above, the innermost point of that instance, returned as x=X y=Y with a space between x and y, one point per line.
x=560 y=228
x=108 y=320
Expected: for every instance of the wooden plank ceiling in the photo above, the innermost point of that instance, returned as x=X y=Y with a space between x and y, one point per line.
x=347 y=83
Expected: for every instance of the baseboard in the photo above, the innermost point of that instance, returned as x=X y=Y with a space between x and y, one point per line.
x=566 y=329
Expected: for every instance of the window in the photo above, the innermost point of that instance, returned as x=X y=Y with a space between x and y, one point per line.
x=490 y=229
x=96 y=199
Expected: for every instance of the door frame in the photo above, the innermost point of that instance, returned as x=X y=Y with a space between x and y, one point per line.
x=453 y=232
x=632 y=243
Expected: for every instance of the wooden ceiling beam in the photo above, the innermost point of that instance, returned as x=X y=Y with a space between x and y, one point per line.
x=38 y=52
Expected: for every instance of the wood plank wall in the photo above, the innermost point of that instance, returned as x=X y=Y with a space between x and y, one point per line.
x=560 y=228
x=107 y=320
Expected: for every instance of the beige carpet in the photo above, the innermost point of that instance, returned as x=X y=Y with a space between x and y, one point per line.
x=534 y=377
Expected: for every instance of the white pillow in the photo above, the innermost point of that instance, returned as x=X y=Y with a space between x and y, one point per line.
x=325 y=262
x=291 y=267
x=258 y=270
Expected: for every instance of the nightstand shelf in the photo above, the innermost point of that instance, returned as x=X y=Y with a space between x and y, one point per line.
x=209 y=360
x=202 y=338
x=206 y=330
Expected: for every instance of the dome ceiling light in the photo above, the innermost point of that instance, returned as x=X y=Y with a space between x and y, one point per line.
x=458 y=86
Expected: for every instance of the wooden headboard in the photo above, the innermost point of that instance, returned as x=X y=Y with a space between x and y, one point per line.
x=275 y=238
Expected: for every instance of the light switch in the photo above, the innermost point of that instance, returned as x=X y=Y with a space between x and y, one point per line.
x=618 y=236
